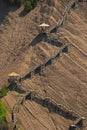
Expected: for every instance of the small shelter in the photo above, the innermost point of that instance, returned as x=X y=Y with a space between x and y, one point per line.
x=43 y=27
x=72 y=127
x=13 y=77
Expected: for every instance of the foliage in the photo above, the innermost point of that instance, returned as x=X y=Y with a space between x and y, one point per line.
x=2 y=111
x=28 y=4
x=3 y=92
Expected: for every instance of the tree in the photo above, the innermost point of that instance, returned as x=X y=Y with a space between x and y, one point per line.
x=27 y=6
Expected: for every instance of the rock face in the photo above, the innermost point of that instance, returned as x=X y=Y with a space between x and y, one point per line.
x=65 y=80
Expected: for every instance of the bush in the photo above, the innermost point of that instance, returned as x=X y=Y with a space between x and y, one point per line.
x=28 y=6
x=3 y=92
x=2 y=111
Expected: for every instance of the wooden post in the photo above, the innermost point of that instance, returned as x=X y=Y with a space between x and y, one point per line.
x=62 y=23
x=52 y=59
x=66 y=49
x=60 y=53
x=42 y=67
x=47 y=36
x=56 y=29
x=23 y=101
x=46 y=101
x=69 y=11
x=32 y=94
x=32 y=73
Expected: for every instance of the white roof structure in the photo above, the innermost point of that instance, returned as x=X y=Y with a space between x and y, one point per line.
x=13 y=74
x=44 y=25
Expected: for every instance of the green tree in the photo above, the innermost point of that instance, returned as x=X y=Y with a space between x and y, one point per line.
x=2 y=111
x=4 y=91
x=27 y=6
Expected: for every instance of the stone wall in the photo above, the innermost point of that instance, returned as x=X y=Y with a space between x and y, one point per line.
x=51 y=105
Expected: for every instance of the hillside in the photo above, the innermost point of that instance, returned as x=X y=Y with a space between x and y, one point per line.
x=65 y=80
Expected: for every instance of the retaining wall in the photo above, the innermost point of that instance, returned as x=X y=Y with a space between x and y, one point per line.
x=39 y=69
x=52 y=106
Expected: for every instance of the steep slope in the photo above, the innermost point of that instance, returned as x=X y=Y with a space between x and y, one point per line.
x=19 y=33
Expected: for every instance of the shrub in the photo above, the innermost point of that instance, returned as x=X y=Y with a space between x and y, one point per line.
x=3 y=92
x=2 y=111
x=27 y=6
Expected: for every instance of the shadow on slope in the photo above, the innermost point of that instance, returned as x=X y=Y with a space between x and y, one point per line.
x=16 y=88
x=42 y=37
x=23 y=13
x=37 y=39
x=4 y=10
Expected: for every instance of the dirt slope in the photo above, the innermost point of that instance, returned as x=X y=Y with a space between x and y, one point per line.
x=65 y=80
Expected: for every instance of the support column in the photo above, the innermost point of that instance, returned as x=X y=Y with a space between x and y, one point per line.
x=23 y=101
x=48 y=36
x=32 y=73
x=44 y=37
x=62 y=23
x=46 y=101
x=52 y=59
x=56 y=29
x=60 y=53
x=32 y=94
x=41 y=68
x=66 y=49
x=69 y=11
